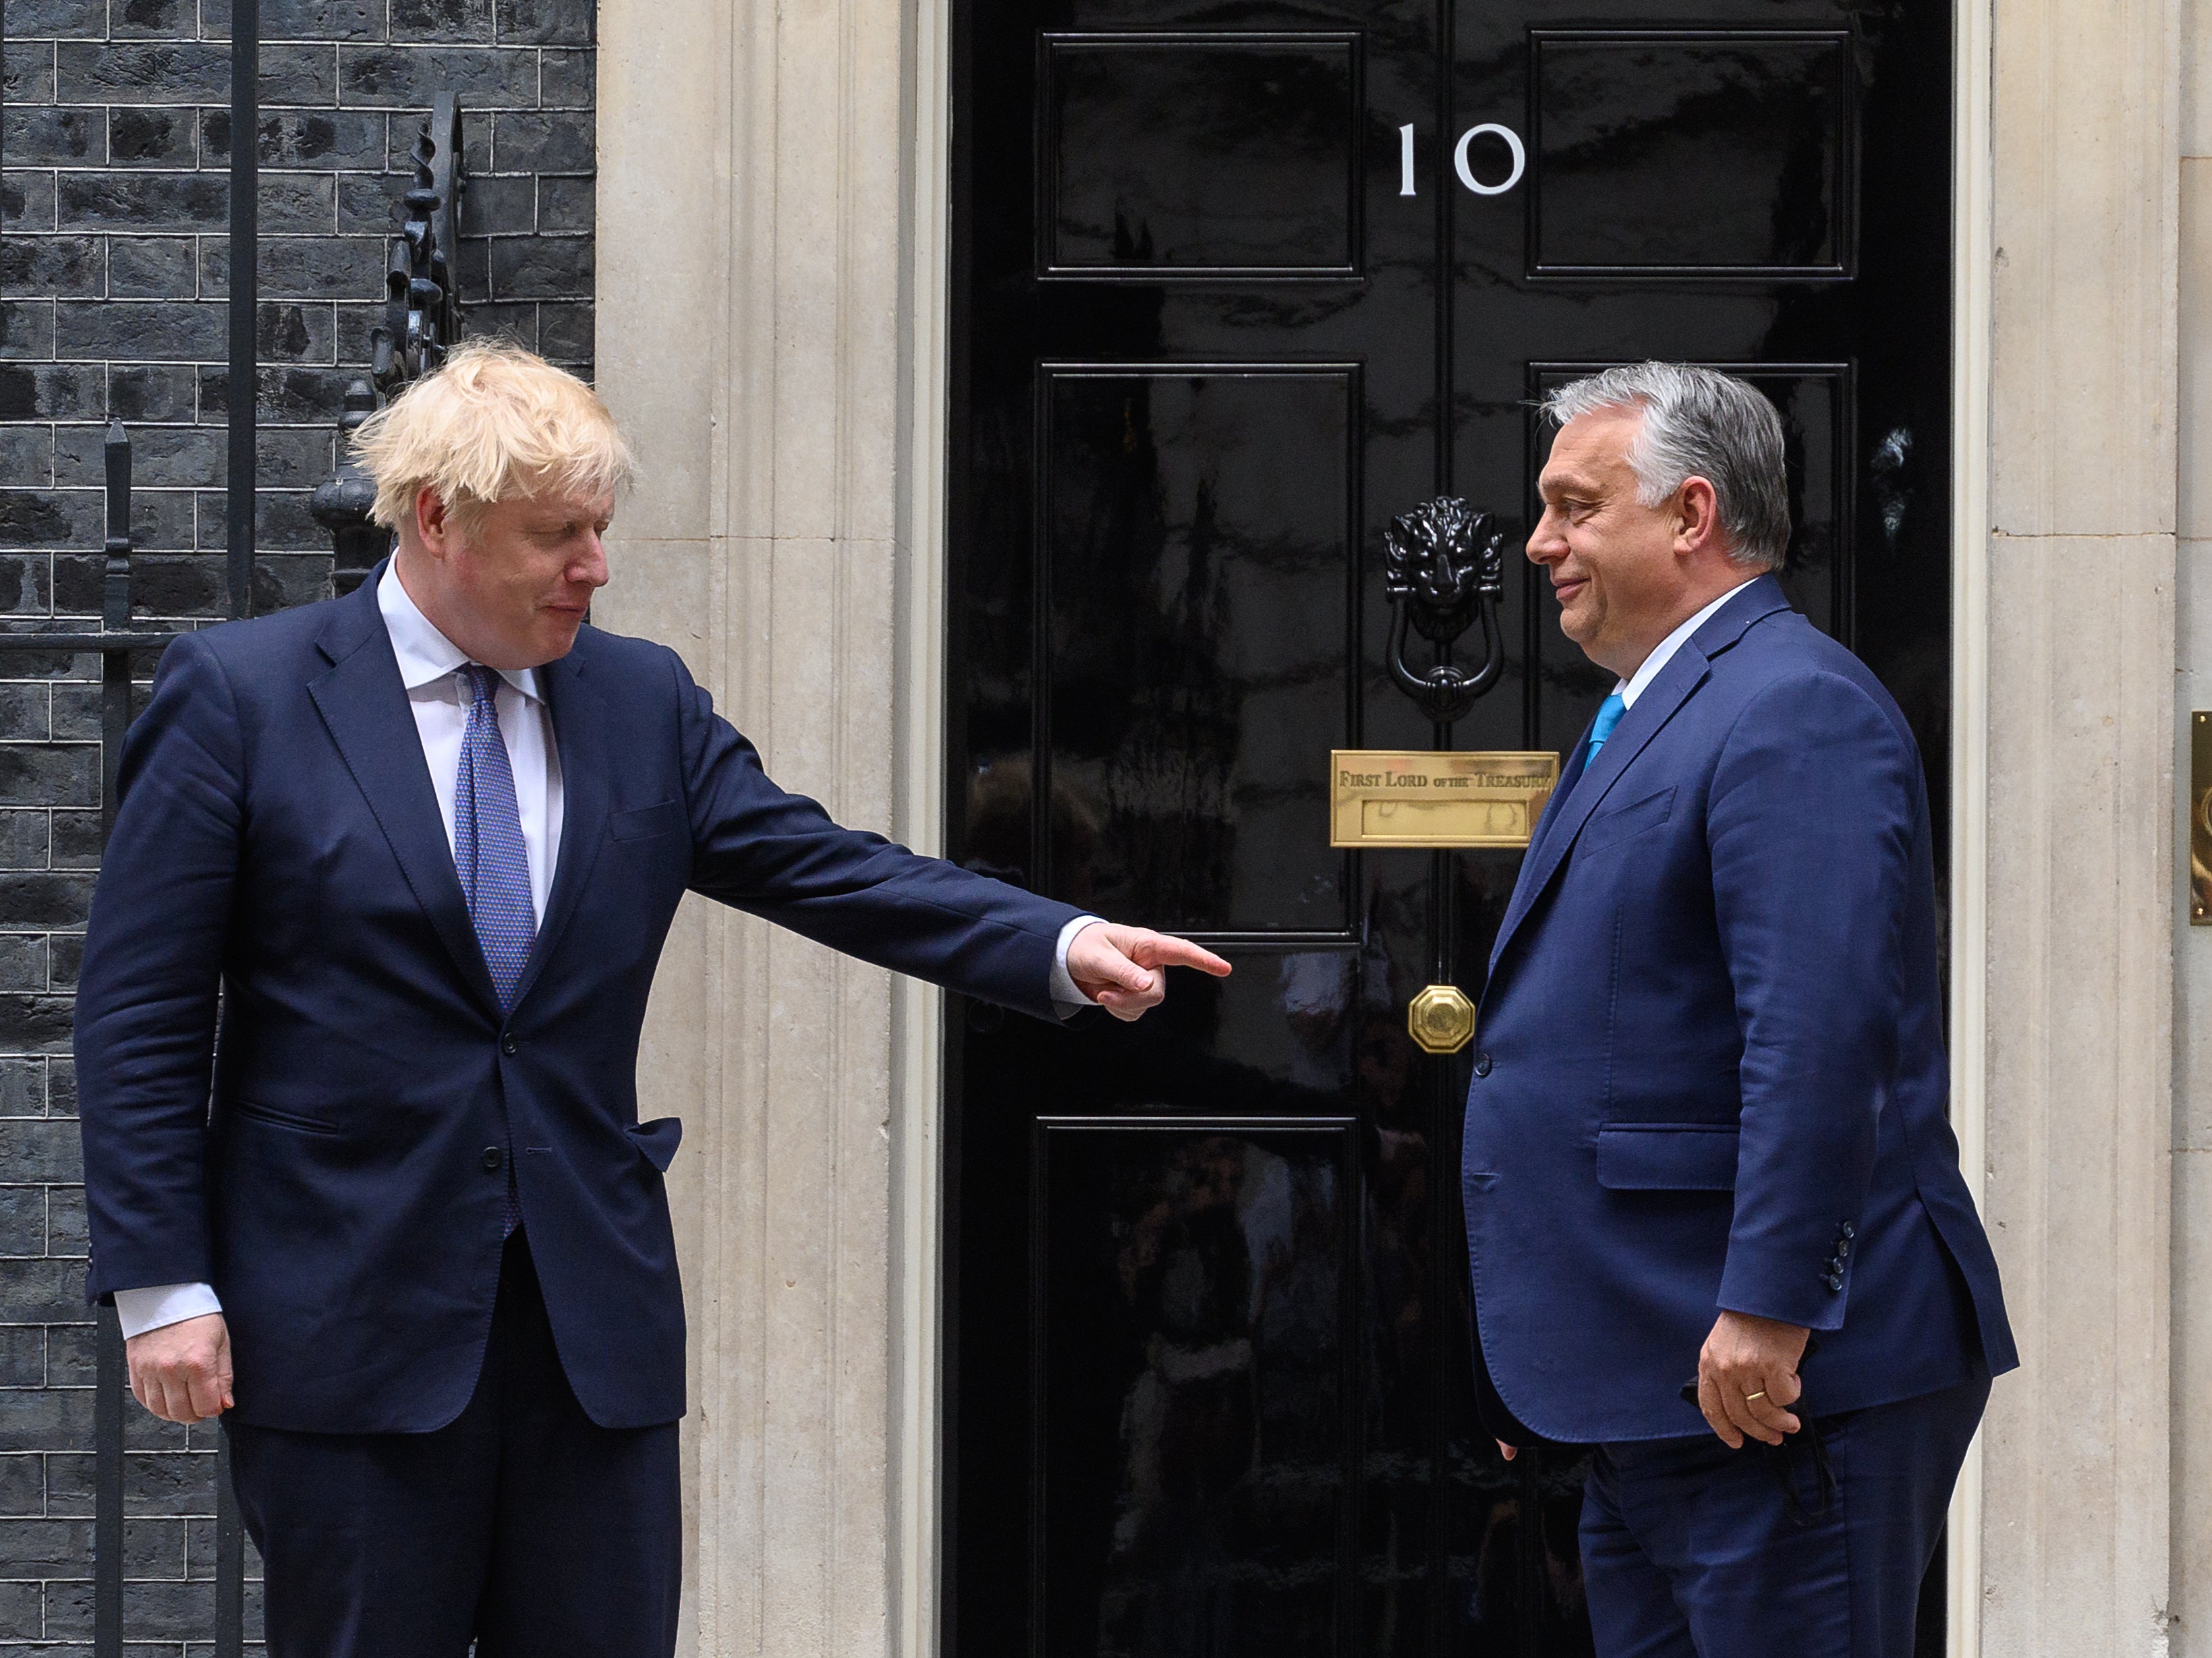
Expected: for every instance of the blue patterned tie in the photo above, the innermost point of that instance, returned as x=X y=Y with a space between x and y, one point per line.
x=492 y=861
x=488 y=847
x=1608 y=716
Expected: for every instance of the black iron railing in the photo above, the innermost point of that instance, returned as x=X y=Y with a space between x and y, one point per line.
x=242 y=394
x=422 y=320
x=117 y=643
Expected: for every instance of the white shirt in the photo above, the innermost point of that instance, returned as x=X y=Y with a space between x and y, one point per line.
x=440 y=699
x=439 y=695
x=1634 y=686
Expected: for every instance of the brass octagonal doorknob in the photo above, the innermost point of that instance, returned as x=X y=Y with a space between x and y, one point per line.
x=1441 y=1019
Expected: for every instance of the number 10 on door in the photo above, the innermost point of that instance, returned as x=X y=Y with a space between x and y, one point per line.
x=1462 y=163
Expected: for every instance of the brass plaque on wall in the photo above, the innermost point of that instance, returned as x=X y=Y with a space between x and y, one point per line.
x=1412 y=797
x=2200 y=820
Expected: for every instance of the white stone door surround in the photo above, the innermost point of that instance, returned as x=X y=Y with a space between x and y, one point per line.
x=771 y=212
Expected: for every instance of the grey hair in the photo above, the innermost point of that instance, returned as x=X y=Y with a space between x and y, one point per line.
x=1697 y=423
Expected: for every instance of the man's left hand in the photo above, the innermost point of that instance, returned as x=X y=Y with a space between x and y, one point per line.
x=1122 y=969
x=1747 y=1378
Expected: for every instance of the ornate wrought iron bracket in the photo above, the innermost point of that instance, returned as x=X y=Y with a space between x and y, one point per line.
x=1444 y=568
x=421 y=311
x=421 y=322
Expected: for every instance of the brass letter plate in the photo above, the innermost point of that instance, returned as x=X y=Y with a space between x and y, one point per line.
x=1411 y=797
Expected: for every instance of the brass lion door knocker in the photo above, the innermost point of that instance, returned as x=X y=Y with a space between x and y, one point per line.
x=1445 y=568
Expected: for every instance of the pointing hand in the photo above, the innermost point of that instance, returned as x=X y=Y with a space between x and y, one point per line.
x=1120 y=968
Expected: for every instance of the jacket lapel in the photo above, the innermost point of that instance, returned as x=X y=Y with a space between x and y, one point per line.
x=1571 y=774
x=1657 y=705
x=583 y=735
x=365 y=707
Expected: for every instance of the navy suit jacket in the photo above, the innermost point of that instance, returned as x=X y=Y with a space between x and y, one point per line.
x=1711 y=1070
x=324 y=1163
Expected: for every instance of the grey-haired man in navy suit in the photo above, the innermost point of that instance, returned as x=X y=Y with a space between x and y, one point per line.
x=1708 y=1118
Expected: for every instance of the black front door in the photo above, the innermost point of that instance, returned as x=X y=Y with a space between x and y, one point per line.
x=1235 y=283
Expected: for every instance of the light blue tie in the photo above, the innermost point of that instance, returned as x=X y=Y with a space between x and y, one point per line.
x=488 y=846
x=492 y=863
x=1608 y=716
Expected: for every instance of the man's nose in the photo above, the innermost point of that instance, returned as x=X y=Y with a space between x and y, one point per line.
x=1546 y=545
x=592 y=570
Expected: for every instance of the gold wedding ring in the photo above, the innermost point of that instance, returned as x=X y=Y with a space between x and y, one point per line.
x=1761 y=1393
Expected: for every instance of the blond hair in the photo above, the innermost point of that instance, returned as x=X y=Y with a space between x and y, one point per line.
x=494 y=422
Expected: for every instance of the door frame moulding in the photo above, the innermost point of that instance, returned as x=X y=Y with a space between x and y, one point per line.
x=1973 y=220
x=919 y=796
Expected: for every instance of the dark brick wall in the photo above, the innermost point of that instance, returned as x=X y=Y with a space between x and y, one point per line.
x=114 y=176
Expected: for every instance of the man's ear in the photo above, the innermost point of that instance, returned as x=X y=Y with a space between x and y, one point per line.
x=433 y=525
x=1696 y=522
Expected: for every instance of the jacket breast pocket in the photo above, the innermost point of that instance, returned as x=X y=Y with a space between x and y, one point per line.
x=1637 y=818
x=643 y=823
x=1667 y=1156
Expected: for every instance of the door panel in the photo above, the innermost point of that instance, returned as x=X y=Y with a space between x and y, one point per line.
x=1196 y=1318
x=1700 y=152
x=1224 y=307
x=1249 y=164
x=1199 y=536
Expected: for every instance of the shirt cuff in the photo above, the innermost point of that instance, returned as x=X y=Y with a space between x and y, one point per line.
x=141 y=1310
x=1065 y=996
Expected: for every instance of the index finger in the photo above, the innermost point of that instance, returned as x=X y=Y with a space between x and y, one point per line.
x=1166 y=951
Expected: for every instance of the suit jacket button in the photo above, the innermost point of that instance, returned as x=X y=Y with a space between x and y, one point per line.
x=508 y=1045
x=1836 y=1282
x=493 y=1157
x=1847 y=1231
x=1844 y=1250
x=1481 y=1063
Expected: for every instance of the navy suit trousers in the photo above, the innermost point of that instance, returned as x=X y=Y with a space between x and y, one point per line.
x=1690 y=1549
x=522 y=1525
